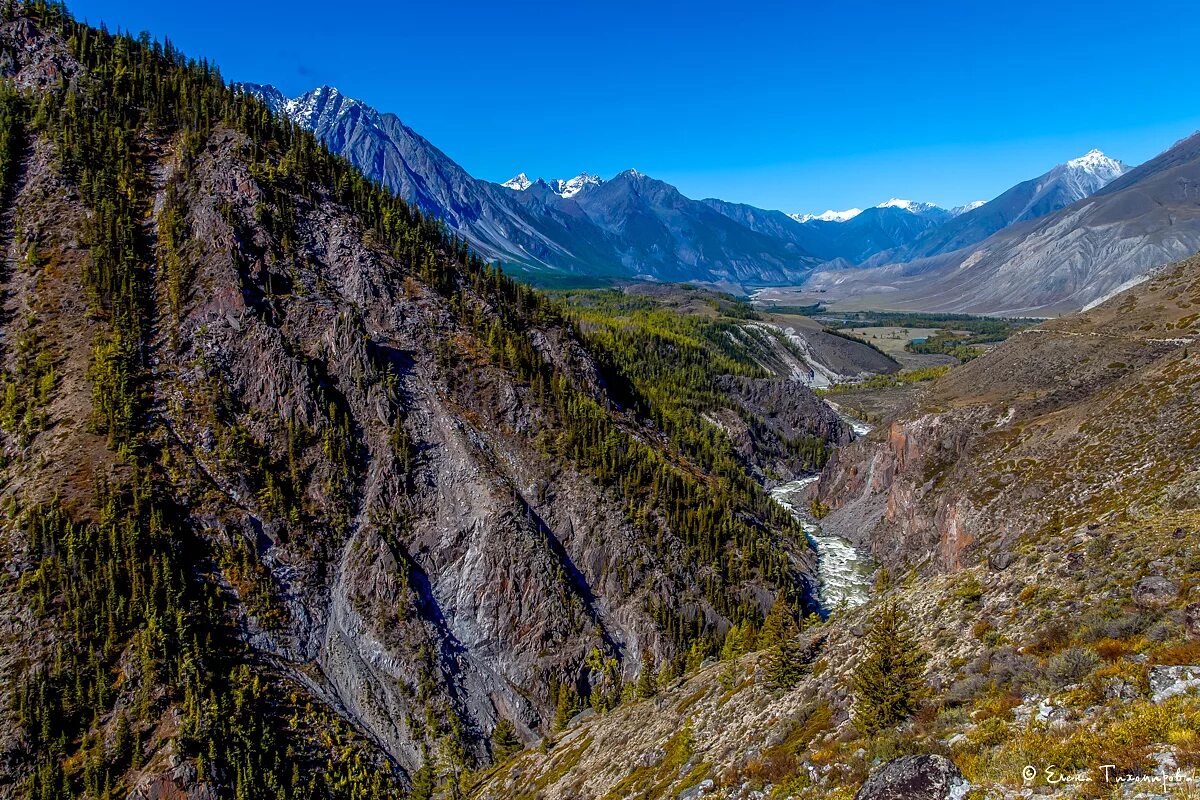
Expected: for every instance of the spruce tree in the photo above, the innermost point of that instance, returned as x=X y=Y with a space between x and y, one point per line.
x=773 y=625
x=565 y=707
x=889 y=681
x=424 y=780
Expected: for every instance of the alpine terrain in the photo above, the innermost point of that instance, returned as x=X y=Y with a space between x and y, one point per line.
x=304 y=496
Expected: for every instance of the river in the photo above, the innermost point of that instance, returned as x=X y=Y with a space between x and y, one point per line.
x=843 y=574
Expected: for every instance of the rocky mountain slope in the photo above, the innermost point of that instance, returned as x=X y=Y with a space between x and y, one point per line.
x=302 y=498
x=636 y=227
x=1037 y=514
x=883 y=227
x=1057 y=263
x=842 y=237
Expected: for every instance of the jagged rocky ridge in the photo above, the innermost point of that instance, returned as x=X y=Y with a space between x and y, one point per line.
x=629 y=227
x=633 y=226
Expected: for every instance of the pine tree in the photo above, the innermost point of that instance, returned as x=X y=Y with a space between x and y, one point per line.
x=504 y=741
x=889 y=681
x=785 y=658
x=773 y=625
x=565 y=706
x=647 y=685
x=424 y=781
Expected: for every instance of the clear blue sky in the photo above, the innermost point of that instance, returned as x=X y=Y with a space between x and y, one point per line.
x=793 y=105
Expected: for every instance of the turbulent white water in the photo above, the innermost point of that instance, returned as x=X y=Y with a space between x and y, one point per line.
x=859 y=427
x=844 y=574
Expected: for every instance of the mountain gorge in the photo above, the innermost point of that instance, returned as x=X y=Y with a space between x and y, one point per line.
x=1036 y=511
x=304 y=496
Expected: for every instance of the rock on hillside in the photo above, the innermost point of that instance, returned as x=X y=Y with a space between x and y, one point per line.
x=915 y=778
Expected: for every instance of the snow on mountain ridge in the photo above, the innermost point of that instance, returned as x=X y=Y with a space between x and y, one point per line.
x=562 y=188
x=1096 y=161
x=911 y=206
x=828 y=216
x=318 y=107
x=574 y=186
x=971 y=206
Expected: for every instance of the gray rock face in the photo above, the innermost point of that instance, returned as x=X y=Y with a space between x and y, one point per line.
x=1166 y=682
x=1154 y=591
x=460 y=581
x=776 y=414
x=915 y=778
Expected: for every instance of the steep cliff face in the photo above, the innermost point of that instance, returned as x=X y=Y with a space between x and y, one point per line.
x=389 y=495
x=776 y=417
x=1074 y=420
x=507 y=566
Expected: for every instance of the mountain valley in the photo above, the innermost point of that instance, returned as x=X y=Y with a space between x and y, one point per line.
x=332 y=471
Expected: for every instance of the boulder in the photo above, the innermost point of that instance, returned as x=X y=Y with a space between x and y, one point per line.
x=1167 y=682
x=1000 y=561
x=1154 y=591
x=915 y=778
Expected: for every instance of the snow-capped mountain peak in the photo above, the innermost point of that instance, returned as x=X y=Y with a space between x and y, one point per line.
x=519 y=183
x=1080 y=177
x=572 y=187
x=911 y=206
x=1095 y=162
x=828 y=216
x=315 y=109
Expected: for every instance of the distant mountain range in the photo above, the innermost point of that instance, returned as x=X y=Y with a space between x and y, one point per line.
x=1039 y=263
x=631 y=226
x=900 y=253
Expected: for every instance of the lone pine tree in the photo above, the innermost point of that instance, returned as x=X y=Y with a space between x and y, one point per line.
x=889 y=681
x=785 y=656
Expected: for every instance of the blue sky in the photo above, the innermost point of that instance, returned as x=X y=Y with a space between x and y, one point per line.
x=793 y=105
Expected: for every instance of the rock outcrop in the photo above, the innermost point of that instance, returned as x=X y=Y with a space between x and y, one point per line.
x=915 y=778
